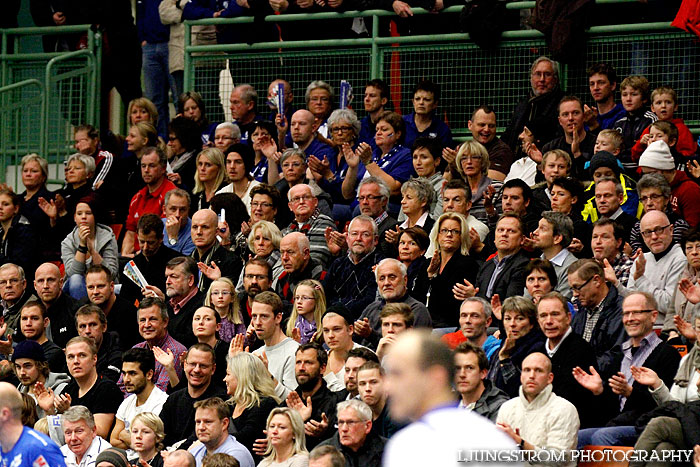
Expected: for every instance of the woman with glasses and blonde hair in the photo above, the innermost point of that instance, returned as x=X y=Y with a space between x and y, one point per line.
x=209 y=178
x=450 y=265
x=286 y=442
x=147 y=435
x=264 y=243
x=307 y=311
x=472 y=163
x=252 y=397
x=222 y=297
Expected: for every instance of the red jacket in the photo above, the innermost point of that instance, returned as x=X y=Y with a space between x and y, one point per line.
x=685 y=194
x=685 y=145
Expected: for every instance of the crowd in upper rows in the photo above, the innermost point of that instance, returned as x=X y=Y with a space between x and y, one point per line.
x=312 y=238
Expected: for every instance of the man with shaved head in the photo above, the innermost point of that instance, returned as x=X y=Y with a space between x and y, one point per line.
x=538 y=418
x=60 y=307
x=22 y=446
x=212 y=259
x=303 y=132
x=658 y=271
x=310 y=221
x=298 y=264
x=421 y=362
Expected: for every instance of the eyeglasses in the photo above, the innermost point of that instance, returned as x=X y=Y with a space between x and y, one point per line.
x=635 y=313
x=653 y=197
x=341 y=129
x=289 y=165
x=256 y=204
x=542 y=74
x=658 y=231
x=577 y=288
x=223 y=293
x=298 y=199
x=450 y=232
x=368 y=198
x=259 y=277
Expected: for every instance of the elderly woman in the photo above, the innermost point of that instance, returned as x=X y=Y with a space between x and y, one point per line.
x=184 y=143
x=192 y=106
x=523 y=337
x=252 y=395
x=264 y=243
x=473 y=164
x=286 y=442
x=147 y=435
x=209 y=178
x=90 y=243
x=319 y=101
x=263 y=142
x=654 y=194
x=450 y=265
x=686 y=299
x=390 y=162
x=567 y=198
x=413 y=243
x=35 y=172
x=225 y=135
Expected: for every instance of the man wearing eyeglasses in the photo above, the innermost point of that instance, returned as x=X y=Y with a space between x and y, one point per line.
x=598 y=317
x=658 y=271
x=13 y=291
x=310 y=221
x=622 y=395
x=540 y=108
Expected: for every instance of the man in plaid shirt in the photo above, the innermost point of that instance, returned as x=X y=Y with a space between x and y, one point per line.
x=607 y=242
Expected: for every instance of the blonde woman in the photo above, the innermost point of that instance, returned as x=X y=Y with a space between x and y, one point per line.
x=252 y=395
x=264 y=242
x=222 y=297
x=142 y=110
x=473 y=164
x=307 y=311
x=209 y=178
x=147 y=435
x=286 y=444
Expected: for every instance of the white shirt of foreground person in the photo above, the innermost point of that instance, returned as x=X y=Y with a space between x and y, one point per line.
x=97 y=446
x=441 y=435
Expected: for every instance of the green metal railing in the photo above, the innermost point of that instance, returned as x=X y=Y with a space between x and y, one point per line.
x=67 y=85
x=468 y=75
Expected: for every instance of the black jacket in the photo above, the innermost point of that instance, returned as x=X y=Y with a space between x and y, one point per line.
x=370 y=453
x=505 y=373
x=608 y=331
x=153 y=270
x=510 y=282
x=538 y=113
x=19 y=245
x=490 y=401
x=228 y=262
x=180 y=324
x=61 y=313
x=322 y=401
x=109 y=357
x=249 y=425
x=443 y=306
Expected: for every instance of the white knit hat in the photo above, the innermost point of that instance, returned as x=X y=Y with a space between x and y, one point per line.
x=657 y=156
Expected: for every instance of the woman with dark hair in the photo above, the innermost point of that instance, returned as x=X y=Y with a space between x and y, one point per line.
x=523 y=337
x=262 y=140
x=230 y=230
x=391 y=162
x=567 y=198
x=540 y=278
x=239 y=165
x=191 y=105
x=184 y=143
x=17 y=238
x=413 y=243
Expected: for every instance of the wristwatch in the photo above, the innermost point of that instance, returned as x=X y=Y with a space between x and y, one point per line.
x=172 y=241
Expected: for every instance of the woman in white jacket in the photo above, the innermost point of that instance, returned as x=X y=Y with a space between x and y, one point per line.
x=89 y=243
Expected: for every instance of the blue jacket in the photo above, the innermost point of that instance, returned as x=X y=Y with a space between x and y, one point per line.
x=148 y=24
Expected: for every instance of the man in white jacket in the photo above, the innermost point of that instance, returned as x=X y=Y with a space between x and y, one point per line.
x=539 y=420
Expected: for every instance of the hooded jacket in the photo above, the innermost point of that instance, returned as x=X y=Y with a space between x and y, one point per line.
x=55 y=381
x=105 y=244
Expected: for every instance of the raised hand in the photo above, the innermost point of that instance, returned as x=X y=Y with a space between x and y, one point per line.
x=690 y=290
x=593 y=382
x=392 y=236
x=402 y=9
x=5 y=345
x=693 y=168
x=575 y=144
x=62 y=402
x=640 y=264
x=49 y=208
x=644 y=140
x=263 y=358
x=384 y=344
x=464 y=291
x=475 y=240
x=609 y=272
x=434 y=266
x=172 y=227
x=576 y=245
x=590 y=116
x=496 y=306
x=296 y=335
x=294 y=402
x=364 y=152
x=44 y=397
x=335 y=240
x=212 y=272
x=645 y=376
x=362 y=327
x=236 y=345
x=449 y=155
x=619 y=385
x=314 y=428
x=164 y=357
x=684 y=327
x=153 y=291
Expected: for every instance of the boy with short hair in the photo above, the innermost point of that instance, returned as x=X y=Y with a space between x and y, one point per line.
x=608 y=140
x=555 y=163
x=635 y=95
x=664 y=104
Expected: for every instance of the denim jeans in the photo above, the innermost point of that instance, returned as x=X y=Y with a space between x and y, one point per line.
x=608 y=436
x=156 y=80
x=75 y=286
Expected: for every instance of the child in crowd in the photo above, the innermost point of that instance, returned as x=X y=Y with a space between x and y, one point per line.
x=307 y=310
x=635 y=95
x=608 y=140
x=664 y=104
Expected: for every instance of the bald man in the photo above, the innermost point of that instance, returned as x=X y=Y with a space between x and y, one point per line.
x=538 y=418
x=22 y=446
x=658 y=271
x=303 y=131
x=213 y=260
x=60 y=307
x=421 y=362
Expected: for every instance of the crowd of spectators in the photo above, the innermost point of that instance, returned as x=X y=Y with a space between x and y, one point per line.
x=241 y=289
